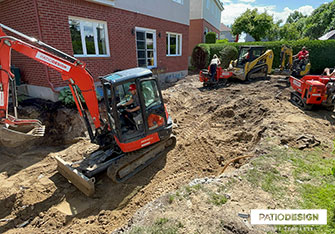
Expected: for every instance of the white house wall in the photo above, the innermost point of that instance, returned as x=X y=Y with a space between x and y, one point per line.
x=196 y=9
x=209 y=16
x=163 y=9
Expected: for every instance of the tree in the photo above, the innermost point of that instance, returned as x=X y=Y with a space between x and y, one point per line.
x=321 y=21
x=253 y=23
x=295 y=17
x=289 y=32
x=273 y=33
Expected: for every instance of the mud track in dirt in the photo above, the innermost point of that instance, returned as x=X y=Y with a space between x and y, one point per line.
x=211 y=126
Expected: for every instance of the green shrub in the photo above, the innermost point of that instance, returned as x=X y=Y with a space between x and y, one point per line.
x=210 y=38
x=200 y=56
x=222 y=41
x=66 y=97
x=227 y=54
x=203 y=53
x=321 y=52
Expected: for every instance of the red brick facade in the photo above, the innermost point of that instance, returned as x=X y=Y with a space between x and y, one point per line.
x=48 y=21
x=197 y=29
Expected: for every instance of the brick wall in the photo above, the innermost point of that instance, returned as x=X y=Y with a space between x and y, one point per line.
x=197 y=29
x=21 y=16
x=53 y=17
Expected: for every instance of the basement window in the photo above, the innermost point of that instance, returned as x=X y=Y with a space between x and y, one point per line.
x=173 y=44
x=89 y=38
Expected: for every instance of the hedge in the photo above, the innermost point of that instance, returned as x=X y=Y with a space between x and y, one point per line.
x=203 y=53
x=210 y=37
x=321 y=53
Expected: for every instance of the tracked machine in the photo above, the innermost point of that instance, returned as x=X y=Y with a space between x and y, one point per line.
x=288 y=67
x=313 y=90
x=123 y=150
x=252 y=62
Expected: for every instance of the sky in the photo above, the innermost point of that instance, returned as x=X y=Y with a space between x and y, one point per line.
x=280 y=9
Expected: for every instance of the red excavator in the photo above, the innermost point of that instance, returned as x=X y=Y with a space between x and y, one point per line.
x=313 y=90
x=127 y=144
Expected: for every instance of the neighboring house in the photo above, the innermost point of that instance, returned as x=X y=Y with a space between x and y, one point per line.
x=107 y=35
x=249 y=38
x=225 y=33
x=328 y=36
x=205 y=16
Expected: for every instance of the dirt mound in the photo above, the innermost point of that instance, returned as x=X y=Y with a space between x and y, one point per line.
x=211 y=126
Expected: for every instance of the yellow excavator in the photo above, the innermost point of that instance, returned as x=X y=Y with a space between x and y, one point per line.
x=289 y=67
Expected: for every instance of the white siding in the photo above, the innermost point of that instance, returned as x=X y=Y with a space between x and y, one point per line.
x=196 y=8
x=164 y=9
x=213 y=14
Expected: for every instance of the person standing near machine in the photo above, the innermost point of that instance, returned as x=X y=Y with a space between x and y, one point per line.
x=215 y=62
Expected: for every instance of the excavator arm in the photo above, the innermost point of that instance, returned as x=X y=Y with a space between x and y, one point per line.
x=71 y=70
x=286 y=52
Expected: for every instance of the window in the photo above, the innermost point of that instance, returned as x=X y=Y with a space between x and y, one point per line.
x=207 y=4
x=173 y=44
x=179 y=1
x=89 y=38
x=146 y=47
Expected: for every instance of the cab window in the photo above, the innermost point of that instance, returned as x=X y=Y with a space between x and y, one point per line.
x=122 y=93
x=150 y=93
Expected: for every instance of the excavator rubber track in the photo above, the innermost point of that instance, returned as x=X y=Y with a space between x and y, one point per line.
x=120 y=166
x=132 y=163
x=298 y=101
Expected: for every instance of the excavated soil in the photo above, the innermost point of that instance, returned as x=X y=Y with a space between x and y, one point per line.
x=211 y=126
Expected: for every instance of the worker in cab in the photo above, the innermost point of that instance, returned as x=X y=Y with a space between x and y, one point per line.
x=215 y=62
x=133 y=115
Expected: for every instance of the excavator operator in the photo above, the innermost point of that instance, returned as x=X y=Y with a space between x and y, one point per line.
x=302 y=55
x=132 y=115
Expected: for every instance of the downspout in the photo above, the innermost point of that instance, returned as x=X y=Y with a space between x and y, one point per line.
x=41 y=39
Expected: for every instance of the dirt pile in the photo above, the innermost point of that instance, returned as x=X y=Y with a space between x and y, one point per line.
x=211 y=126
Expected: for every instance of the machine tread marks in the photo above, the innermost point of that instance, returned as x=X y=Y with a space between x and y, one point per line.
x=134 y=162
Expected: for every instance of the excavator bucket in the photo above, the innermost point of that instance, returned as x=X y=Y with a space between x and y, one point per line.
x=23 y=131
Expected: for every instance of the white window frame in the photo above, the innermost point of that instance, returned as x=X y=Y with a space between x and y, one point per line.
x=95 y=22
x=180 y=42
x=153 y=31
x=179 y=1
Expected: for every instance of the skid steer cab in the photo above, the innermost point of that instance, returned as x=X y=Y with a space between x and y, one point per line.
x=313 y=90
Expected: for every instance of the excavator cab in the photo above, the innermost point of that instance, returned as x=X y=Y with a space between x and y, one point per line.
x=151 y=116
